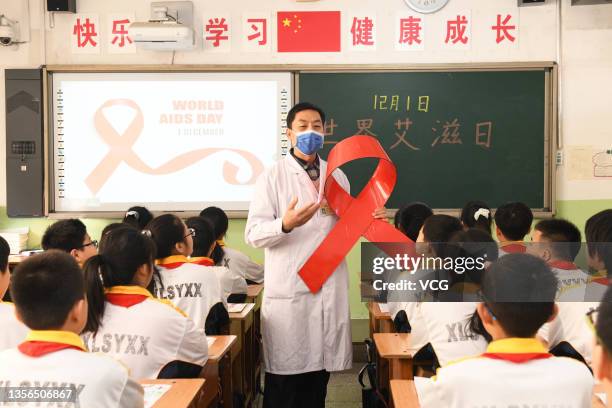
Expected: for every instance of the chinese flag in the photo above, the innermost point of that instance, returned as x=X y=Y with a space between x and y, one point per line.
x=308 y=31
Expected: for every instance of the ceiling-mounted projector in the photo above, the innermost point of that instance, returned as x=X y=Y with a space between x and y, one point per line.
x=166 y=35
x=170 y=27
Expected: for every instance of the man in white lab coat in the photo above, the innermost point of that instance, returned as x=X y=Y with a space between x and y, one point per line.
x=305 y=335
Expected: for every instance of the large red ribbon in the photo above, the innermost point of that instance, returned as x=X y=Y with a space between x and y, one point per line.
x=355 y=214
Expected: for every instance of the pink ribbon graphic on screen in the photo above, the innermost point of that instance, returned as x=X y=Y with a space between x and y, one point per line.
x=355 y=213
x=121 y=151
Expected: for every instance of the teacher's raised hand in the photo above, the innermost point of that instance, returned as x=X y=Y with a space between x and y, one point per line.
x=297 y=217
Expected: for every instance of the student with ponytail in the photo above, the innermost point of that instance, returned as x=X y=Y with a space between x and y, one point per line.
x=138 y=217
x=476 y=214
x=237 y=262
x=187 y=283
x=125 y=321
x=204 y=244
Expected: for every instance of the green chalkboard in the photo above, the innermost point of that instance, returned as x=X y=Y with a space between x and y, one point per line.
x=453 y=136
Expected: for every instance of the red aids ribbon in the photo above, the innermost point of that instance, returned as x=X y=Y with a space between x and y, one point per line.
x=355 y=214
x=121 y=151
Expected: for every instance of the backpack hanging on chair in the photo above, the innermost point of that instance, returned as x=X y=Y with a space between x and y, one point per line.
x=370 y=396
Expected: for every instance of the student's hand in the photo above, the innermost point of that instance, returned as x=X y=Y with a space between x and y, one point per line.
x=297 y=217
x=380 y=213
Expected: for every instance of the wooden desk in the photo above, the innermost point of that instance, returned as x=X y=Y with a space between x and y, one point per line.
x=255 y=295
x=404 y=394
x=185 y=393
x=380 y=322
x=243 y=374
x=219 y=353
x=14 y=260
x=394 y=359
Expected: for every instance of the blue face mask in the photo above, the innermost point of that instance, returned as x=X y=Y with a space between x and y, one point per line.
x=309 y=141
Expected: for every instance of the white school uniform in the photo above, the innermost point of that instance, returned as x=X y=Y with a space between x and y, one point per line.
x=573 y=281
x=192 y=286
x=99 y=381
x=12 y=331
x=231 y=282
x=445 y=327
x=242 y=265
x=571 y=326
x=512 y=373
x=146 y=333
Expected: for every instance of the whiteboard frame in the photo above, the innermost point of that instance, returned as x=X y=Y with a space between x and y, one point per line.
x=551 y=131
x=49 y=139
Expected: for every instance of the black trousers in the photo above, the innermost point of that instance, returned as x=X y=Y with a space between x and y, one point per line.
x=307 y=390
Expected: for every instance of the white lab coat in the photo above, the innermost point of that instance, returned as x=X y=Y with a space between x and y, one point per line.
x=302 y=332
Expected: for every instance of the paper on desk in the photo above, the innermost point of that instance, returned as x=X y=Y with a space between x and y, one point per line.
x=235 y=307
x=153 y=392
x=383 y=307
x=210 y=341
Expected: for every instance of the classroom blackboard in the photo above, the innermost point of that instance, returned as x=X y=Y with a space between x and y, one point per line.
x=454 y=136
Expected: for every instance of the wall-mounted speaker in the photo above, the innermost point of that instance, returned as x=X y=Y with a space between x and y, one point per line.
x=62 y=5
x=522 y=3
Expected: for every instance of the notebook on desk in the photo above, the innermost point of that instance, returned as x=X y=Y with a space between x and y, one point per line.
x=235 y=307
x=153 y=392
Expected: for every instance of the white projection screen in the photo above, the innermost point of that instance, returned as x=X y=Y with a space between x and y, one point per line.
x=168 y=141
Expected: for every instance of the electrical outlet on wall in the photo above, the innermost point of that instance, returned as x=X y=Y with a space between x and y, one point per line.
x=559 y=158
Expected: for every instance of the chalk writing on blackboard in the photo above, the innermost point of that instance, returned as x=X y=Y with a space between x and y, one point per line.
x=443 y=133
x=404 y=126
x=392 y=103
x=364 y=126
x=483 y=134
x=328 y=131
x=450 y=133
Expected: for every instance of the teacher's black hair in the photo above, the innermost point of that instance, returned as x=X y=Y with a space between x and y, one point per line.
x=302 y=106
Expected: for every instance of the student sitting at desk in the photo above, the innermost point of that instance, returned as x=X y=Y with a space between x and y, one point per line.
x=13 y=331
x=512 y=223
x=49 y=294
x=127 y=322
x=204 y=245
x=404 y=307
x=70 y=236
x=237 y=262
x=445 y=321
x=569 y=334
x=192 y=287
x=557 y=241
x=516 y=370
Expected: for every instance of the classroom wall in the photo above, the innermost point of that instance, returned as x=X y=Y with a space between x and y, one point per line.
x=578 y=38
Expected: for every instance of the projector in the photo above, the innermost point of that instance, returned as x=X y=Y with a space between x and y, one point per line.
x=162 y=35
